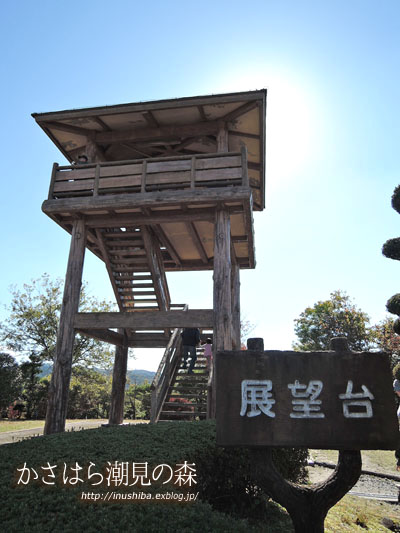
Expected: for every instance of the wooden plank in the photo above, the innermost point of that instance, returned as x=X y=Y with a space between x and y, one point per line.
x=158 y=230
x=201 y=318
x=52 y=180
x=197 y=242
x=236 y=113
x=74 y=173
x=61 y=375
x=148 y=199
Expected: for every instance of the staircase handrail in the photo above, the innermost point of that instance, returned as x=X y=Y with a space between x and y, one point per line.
x=165 y=372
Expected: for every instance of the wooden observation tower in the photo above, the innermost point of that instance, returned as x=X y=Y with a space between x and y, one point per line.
x=155 y=187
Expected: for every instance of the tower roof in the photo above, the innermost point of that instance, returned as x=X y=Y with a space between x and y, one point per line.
x=166 y=127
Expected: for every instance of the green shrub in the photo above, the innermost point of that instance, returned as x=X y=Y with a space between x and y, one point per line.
x=391 y=249
x=223 y=482
x=396 y=199
x=393 y=304
x=396 y=371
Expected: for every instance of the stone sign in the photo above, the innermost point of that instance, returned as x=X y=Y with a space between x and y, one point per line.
x=334 y=400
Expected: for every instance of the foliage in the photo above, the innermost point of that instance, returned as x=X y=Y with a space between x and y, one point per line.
x=391 y=249
x=393 y=304
x=138 y=401
x=336 y=317
x=396 y=199
x=31 y=327
x=246 y=327
x=385 y=339
x=89 y=395
x=396 y=371
x=37 y=508
x=10 y=383
x=32 y=391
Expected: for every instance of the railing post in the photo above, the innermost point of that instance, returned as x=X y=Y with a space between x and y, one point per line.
x=96 y=180
x=245 y=175
x=52 y=181
x=144 y=172
x=193 y=173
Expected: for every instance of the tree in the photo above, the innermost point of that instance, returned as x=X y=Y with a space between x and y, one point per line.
x=90 y=394
x=10 y=383
x=30 y=372
x=336 y=317
x=386 y=340
x=31 y=327
x=138 y=401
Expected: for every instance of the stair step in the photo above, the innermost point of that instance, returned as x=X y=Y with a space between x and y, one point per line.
x=192 y=396
x=179 y=405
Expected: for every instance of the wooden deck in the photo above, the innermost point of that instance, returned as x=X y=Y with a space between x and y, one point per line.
x=174 y=198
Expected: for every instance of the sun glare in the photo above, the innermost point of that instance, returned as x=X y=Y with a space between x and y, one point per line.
x=290 y=123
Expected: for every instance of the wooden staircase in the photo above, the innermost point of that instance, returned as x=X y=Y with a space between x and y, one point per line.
x=135 y=268
x=177 y=395
x=187 y=395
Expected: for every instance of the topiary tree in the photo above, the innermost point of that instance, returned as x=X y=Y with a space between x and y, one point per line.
x=391 y=249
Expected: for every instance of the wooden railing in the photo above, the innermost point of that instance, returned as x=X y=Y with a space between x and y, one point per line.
x=148 y=175
x=166 y=373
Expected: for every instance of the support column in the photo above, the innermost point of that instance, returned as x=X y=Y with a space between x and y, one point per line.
x=119 y=382
x=222 y=291
x=222 y=282
x=235 y=296
x=61 y=375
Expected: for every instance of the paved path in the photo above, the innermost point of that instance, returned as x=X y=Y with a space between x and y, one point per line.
x=9 y=437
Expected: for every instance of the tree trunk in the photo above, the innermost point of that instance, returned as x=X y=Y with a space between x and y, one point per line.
x=307 y=505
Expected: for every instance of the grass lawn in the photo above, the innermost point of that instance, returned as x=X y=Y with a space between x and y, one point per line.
x=16 y=425
x=376 y=460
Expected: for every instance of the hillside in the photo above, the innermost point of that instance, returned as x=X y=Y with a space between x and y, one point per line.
x=134 y=376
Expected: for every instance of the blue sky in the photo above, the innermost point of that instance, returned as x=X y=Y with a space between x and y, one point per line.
x=332 y=73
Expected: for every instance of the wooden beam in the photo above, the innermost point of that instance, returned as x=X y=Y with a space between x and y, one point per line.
x=222 y=282
x=69 y=128
x=150 y=119
x=201 y=318
x=156 y=268
x=119 y=382
x=107 y=262
x=222 y=138
x=94 y=153
x=123 y=220
x=103 y=335
x=162 y=132
x=61 y=375
x=236 y=113
x=167 y=243
x=235 y=300
x=197 y=242
x=236 y=133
